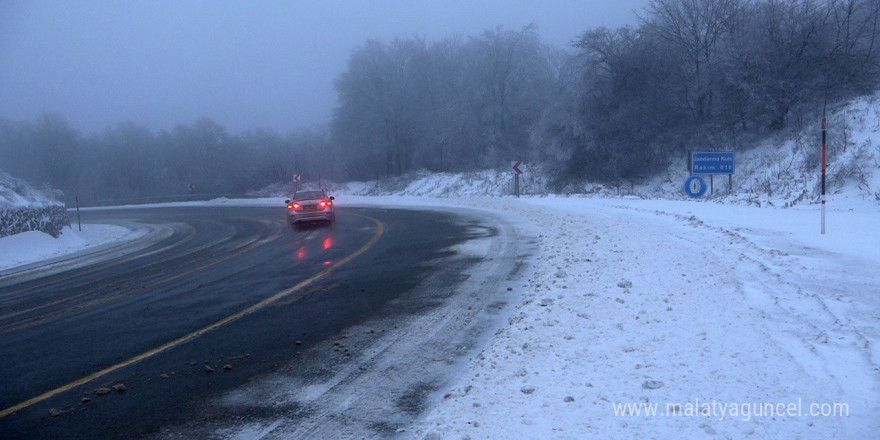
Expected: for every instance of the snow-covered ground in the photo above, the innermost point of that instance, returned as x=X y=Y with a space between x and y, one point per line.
x=34 y=246
x=643 y=302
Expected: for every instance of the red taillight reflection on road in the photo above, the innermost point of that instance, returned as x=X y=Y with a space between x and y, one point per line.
x=301 y=253
x=328 y=243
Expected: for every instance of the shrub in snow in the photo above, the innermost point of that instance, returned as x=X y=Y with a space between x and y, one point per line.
x=51 y=220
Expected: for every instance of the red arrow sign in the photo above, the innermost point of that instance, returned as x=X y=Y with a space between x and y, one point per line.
x=516 y=167
x=296 y=178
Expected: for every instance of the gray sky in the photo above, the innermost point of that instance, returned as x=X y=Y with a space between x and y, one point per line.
x=244 y=64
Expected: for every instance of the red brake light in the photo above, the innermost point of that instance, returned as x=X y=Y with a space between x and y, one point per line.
x=295 y=206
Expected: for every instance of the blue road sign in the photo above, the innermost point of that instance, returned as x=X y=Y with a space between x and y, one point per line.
x=713 y=162
x=695 y=186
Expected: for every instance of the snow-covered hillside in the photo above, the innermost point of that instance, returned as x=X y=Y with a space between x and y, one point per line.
x=24 y=209
x=785 y=170
x=782 y=171
x=16 y=193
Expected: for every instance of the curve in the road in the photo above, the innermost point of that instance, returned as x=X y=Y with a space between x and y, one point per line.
x=188 y=337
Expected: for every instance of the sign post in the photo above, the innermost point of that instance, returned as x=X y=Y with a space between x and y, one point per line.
x=824 y=164
x=78 y=218
x=516 y=177
x=295 y=183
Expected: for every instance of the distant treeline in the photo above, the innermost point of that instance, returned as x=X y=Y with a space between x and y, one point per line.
x=694 y=74
x=129 y=161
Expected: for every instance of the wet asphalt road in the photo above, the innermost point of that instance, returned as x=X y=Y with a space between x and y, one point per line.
x=222 y=296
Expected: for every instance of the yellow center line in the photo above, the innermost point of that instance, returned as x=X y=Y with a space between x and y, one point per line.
x=380 y=228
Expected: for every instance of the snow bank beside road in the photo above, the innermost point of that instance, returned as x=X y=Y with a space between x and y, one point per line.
x=33 y=246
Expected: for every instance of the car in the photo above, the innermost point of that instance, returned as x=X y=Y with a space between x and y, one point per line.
x=310 y=206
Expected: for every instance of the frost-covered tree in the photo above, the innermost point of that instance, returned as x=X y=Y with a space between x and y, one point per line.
x=694 y=31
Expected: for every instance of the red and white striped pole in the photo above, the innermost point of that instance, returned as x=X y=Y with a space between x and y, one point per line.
x=824 y=163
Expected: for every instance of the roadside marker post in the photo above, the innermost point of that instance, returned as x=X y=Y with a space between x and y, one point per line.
x=78 y=218
x=516 y=177
x=824 y=164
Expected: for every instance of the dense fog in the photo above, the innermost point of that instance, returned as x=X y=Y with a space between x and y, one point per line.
x=615 y=106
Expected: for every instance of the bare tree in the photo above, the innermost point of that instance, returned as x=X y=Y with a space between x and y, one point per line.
x=853 y=59
x=694 y=29
x=512 y=87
